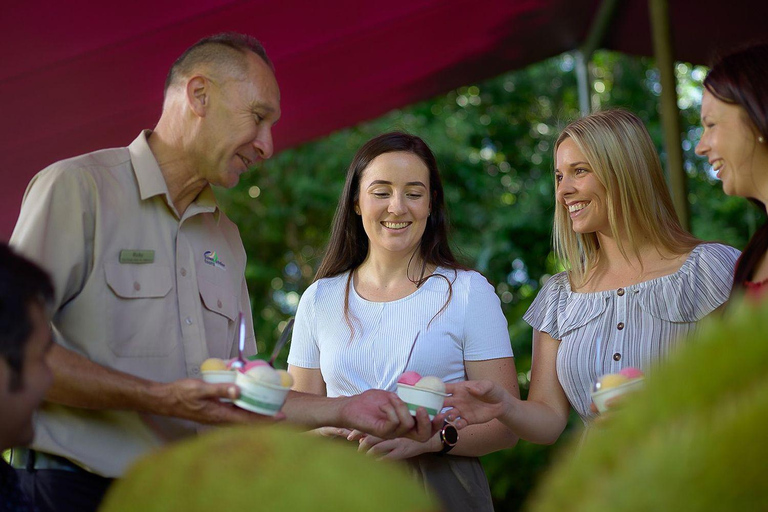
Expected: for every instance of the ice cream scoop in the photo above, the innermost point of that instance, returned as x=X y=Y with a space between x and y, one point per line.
x=611 y=380
x=631 y=372
x=253 y=364
x=431 y=383
x=612 y=385
x=213 y=364
x=286 y=380
x=409 y=378
x=264 y=373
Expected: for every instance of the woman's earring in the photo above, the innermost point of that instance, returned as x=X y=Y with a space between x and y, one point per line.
x=761 y=139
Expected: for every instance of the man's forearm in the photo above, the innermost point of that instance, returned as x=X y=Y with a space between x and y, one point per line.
x=313 y=411
x=79 y=382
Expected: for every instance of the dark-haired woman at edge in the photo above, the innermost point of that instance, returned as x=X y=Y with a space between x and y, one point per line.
x=734 y=114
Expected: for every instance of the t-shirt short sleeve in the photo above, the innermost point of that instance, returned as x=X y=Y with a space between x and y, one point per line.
x=305 y=351
x=486 y=335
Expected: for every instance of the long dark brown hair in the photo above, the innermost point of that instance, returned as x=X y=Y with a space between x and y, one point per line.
x=740 y=78
x=348 y=244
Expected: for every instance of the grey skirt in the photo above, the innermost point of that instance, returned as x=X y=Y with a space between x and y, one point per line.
x=458 y=482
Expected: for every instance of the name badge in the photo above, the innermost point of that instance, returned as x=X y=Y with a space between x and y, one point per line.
x=135 y=256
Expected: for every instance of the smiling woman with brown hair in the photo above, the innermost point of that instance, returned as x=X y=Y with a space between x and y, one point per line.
x=390 y=296
x=635 y=283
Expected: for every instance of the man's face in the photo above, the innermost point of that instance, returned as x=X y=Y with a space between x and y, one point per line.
x=18 y=406
x=238 y=124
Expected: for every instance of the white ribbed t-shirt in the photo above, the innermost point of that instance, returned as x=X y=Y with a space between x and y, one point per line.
x=471 y=328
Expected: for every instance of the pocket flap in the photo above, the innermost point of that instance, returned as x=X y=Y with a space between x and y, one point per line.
x=218 y=298
x=138 y=281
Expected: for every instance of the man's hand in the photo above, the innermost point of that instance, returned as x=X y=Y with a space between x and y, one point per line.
x=383 y=414
x=198 y=401
x=479 y=401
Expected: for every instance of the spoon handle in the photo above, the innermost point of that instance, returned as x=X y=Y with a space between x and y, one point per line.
x=281 y=342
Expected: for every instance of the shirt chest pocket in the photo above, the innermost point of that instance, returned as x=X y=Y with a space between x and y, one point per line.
x=139 y=311
x=220 y=312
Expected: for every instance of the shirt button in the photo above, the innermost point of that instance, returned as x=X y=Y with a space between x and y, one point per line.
x=620 y=326
x=620 y=292
x=136 y=286
x=218 y=303
x=188 y=321
x=195 y=370
x=183 y=272
x=616 y=356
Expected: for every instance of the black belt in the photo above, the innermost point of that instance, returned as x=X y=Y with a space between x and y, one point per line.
x=25 y=458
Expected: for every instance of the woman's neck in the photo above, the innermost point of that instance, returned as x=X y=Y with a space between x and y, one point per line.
x=642 y=262
x=388 y=277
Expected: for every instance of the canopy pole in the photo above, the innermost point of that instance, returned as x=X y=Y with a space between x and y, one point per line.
x=670 y=115
x=583 y=55
x=583 y=83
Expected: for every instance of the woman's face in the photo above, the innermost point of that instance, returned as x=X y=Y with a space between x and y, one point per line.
x=394 y=202
x=579 y=191
x=730 y=144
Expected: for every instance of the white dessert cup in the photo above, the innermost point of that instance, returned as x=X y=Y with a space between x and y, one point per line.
x=601 y=397
x=259 y=397
x=220 y=377
x=415 y=397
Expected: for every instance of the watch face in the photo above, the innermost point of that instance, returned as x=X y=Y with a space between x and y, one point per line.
x=450 y=435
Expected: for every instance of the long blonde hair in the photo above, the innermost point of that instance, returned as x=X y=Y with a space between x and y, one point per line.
x=620 y=151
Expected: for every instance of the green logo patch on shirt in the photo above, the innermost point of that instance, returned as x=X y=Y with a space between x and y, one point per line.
x=137 y=256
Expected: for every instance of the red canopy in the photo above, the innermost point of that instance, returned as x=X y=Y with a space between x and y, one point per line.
x=80 y=75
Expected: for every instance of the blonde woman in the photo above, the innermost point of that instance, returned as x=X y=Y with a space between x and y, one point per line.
x=636 y=281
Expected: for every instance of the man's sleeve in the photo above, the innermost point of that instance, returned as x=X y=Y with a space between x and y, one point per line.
x=55 y=228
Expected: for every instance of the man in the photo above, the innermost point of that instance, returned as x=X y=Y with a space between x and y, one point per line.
x=25 y=340
x=149 y=277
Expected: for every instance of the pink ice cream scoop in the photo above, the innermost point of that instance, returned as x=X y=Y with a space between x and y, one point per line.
x=409 y=378
x=631 y=372
x=253 y=364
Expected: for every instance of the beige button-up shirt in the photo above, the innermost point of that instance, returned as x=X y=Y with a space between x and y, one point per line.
x=138 y=289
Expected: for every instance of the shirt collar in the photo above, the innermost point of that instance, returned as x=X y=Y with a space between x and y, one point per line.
x=152 y=183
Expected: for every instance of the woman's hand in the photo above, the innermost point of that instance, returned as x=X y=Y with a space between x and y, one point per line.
x=331 y=432
x=393 y=449
x=479 y=401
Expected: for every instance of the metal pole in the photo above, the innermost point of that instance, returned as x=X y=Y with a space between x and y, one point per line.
x=583 y=82
x=583 y=55
x=670 y=116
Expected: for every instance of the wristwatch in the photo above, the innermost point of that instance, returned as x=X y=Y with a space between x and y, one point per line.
x=449 y=436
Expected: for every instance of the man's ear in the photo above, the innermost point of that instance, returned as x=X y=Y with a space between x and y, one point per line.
x=199 y=94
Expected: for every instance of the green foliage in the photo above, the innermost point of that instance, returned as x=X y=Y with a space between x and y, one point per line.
x=493 y=142
x=264 y=468
x=692 y=440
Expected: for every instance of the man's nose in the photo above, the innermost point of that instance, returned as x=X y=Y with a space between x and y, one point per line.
x=263 y=143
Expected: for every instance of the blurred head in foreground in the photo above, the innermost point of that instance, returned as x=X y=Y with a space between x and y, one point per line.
x=25 y=339
x=693 y=439
x=265 y=468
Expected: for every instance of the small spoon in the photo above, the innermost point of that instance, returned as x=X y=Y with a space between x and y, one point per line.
x=280 y=342
x=239 y=363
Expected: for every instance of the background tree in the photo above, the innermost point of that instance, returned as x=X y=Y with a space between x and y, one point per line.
x=493 y=142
